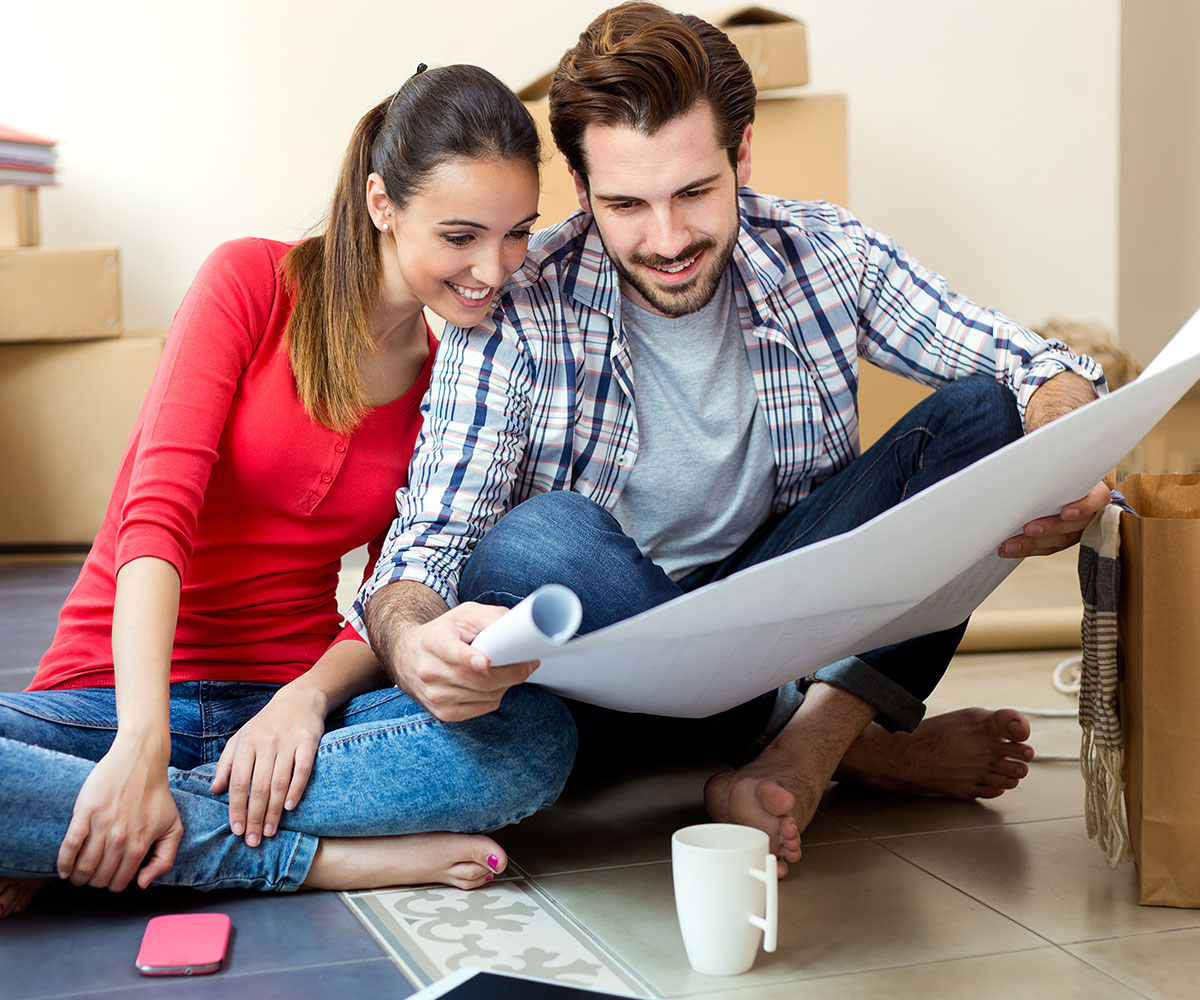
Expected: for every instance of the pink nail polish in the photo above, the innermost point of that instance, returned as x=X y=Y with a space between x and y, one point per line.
x=489 y=878
x=493 y=862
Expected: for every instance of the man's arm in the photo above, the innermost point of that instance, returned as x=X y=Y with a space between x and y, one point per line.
x=1054 y=398
x=425 y=647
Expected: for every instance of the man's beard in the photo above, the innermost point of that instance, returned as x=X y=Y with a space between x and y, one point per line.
x=695 y=294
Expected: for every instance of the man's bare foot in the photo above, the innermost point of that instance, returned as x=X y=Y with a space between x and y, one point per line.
x=780 y=789
x=754 y=796
x=460 y=859
x=15 y=893
x=973 y=753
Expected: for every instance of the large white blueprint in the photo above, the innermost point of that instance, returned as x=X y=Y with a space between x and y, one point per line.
x=922 y=566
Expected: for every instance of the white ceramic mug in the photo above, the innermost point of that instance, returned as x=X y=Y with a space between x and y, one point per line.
x=725 y=877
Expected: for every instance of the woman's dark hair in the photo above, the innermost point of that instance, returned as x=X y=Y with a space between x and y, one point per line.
x=438 y=114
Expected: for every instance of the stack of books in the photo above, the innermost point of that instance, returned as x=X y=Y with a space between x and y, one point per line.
x=25 y=159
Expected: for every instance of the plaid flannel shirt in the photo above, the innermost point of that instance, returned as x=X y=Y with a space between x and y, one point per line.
x=540 y=396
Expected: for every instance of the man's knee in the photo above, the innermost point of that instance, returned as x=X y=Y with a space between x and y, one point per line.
x=984 y=406
x=536 y=542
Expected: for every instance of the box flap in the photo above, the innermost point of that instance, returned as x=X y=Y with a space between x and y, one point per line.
x=773 y=44
x=538 y=89
x=738 y=16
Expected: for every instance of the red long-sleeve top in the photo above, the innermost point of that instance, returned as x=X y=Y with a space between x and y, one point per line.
x=229 y=480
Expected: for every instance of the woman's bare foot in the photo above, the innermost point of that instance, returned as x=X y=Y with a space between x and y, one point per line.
x=973 y=753
x=464 y=860
x=15 y=893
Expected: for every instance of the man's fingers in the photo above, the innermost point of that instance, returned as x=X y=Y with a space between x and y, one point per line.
x=512 y=673
x=1084 y=508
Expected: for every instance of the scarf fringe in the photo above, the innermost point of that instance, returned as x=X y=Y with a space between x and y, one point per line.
x=1103 y=771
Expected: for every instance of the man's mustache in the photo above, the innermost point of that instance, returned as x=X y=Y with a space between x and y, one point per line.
x=688 y=252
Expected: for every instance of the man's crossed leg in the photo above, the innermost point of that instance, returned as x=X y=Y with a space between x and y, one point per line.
x=859 y=719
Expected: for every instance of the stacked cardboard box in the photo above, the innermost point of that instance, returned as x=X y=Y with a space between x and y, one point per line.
x=71 y=382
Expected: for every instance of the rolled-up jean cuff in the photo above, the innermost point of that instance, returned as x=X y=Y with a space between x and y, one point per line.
x=299 y=864
x=897 y=708
x=787 y=699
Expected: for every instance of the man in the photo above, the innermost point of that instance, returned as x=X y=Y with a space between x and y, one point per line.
x=668 y=391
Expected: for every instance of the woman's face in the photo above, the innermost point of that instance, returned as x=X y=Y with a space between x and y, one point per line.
x=460 y=236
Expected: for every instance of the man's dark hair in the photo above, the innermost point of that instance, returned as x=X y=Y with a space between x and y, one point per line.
x=641 y=66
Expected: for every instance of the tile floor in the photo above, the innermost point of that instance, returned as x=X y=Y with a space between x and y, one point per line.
x=896 y=897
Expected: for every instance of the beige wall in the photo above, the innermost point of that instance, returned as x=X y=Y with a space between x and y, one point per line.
x=1160 y=170
x=982 y=135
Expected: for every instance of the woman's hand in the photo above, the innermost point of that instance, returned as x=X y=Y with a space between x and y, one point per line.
x=123 y=812
x=267 y=763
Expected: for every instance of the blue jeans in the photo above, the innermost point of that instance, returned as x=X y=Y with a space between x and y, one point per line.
x=384 y=767
x=563 y=537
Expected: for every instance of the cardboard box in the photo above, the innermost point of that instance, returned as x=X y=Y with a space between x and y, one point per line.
x=66 y=411
x=59 y=294
x=19 y=216
x=883 y=398
x=773 y=44
x=798 y=151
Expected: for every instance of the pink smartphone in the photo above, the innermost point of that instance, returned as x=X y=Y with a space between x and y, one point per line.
x=184 y=944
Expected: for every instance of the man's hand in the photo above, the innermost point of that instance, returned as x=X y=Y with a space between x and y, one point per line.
x=1057 y=397
x=267 y=763
x=429 y=654
x=1052 y=534
x=123 y=812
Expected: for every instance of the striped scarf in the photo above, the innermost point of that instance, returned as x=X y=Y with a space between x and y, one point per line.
x=1101 y=754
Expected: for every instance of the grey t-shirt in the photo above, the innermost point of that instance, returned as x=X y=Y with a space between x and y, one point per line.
x=704 y=477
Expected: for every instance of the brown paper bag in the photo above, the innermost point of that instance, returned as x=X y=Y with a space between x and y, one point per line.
x=1159 y=636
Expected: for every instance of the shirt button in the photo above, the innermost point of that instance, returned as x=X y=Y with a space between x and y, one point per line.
x=339 y=448
x=326 y=478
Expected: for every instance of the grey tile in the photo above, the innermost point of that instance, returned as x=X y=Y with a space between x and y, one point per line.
x=376 y=977
x=16 y=678
x=20 y=577
x=30 y=596
x=627 y=820
x=73 y=940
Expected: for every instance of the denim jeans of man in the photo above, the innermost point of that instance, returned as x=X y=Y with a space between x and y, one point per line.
x=384 y=767
x=562 y=537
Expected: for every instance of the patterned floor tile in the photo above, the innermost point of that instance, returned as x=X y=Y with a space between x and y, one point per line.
x=511 y=926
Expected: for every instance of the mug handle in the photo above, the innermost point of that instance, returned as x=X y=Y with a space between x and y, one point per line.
x=769 y=924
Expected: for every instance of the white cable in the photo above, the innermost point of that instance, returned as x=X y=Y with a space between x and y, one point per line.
x=1068 y=675
x=1066 y=679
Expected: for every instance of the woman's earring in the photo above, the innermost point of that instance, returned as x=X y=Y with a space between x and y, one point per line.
x=384 y=227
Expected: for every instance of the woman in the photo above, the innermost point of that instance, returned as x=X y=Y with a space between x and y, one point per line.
x=204 y=627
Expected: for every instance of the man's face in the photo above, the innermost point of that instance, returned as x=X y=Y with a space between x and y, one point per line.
x=666 y=208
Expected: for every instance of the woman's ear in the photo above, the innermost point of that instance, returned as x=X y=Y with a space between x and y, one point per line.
x=378 y=205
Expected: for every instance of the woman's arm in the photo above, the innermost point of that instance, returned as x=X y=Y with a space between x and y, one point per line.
x=267 y=763
x=124 y=809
